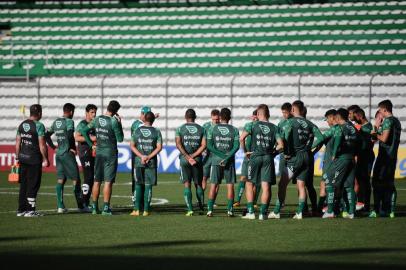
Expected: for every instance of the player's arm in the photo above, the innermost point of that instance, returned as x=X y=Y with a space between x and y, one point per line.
x=288 y=137
x=182 y=150
x=338 y=138
x=42 y=145
x=201 y=149
x=18 y=146
x=210 y=145
x=85 y=132
x=236 y=147
x=78 y=136
x=48 y=135
x=157 y=149
x=279 y=143
x=118 y=129
x=133 y=146
x=70 y=126
x=386 y=128
x=243 y=136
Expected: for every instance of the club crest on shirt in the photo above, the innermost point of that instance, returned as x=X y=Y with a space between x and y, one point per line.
x=145 y=132
x=224 y=130
x=58 y=124
x=102 y=122
x=265 y=129
x=191 y=129
x=26 y=127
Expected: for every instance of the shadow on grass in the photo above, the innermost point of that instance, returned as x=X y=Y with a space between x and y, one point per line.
x=5 y=239
x=349 y=251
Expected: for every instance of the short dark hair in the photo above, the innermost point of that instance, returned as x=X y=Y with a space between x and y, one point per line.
x=113 y=106
x=330 y=112
x=215 y=112
x=225 y=114
x=343 y=113
x=304 y=114
x=360 y=111
x=150 y=117
x=264 y=108
x=68 y=107
x=299 y=105
x=386 y=104
x=190 y=114
x=353 y=108
x=286 y=107
x=90 y=107
x=254 y=112
x=35 y=110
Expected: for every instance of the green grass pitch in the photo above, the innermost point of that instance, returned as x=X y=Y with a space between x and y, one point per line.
x=169 y=240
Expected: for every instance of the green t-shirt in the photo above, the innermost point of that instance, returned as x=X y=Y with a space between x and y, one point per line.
x=264 y=136
x=108 y=132
x=191 y=136
x=63 y=129
x=329 y=142
x=146 y=139
x=83 y=147
x=248 y=138
x=207 y=126
x=298 y=135
x=282 y=127
x=390 y=148
x=29 y=132
x=317 y=136
x=367 y=146
x=224 y=140
x=346 y=141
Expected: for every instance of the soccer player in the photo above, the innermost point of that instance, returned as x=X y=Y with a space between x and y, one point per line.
x=341 y=173
x=86 y=154
x=299 y=133
x=261 y=167
x=223 y=143
x=351 y=114
x=66 y=165
x=108 y=132
x=136 y=124
x=383 y=183
x=215 y=119
x=365 y=160
x=146 y=143
x=31 y=154
x=330 y=118
x=244 y=167
x=191 y=142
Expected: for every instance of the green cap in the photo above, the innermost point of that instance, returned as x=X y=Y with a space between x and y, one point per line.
x=145 y=109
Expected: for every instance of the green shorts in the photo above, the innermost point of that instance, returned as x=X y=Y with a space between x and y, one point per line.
x=146 y=176
x=261 y=169
x=244 y=168
x=105 y=168
x=218 y=173
x=66 y=166
x=207 y=166
x=298 y=167
x=341 y=173
x=190 y=173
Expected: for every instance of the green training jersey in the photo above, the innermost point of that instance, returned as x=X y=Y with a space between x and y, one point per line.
x=63 y=128
x=248 y=138
x=264 y=136
x=367 y=146
x=108 y=132
x=329 y=142
x=191 y=136
x=282 y=127
x=224 y=139
x=29 y=132
x=136 y=124
x=146 y=139
x=317 y=136
x=298 y=135
x=207 y=126
x=83 y=147
x=390 y=148
x=346 y=141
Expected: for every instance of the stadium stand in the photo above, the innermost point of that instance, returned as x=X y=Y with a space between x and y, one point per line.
x=203 y=56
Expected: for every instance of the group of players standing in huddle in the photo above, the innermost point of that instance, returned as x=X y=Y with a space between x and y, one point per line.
x=208 y=152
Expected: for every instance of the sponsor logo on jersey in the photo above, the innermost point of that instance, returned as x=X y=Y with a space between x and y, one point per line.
x=26 y=127
x=265 y=129
x=145 y=132
x=302 y=123
x=102 y=122
x=58 y=124
x=191 y=129
x=224 y=130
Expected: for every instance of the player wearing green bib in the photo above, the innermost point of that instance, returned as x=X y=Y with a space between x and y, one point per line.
x=191 y=142
x=261 y=168
x=146 y=143
x=108 y=132
x=383 y=183
x=215 y=119
x=341 y=173
x=223 y=143
x=66 y=165
x=244 y=167
x=365 y=160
